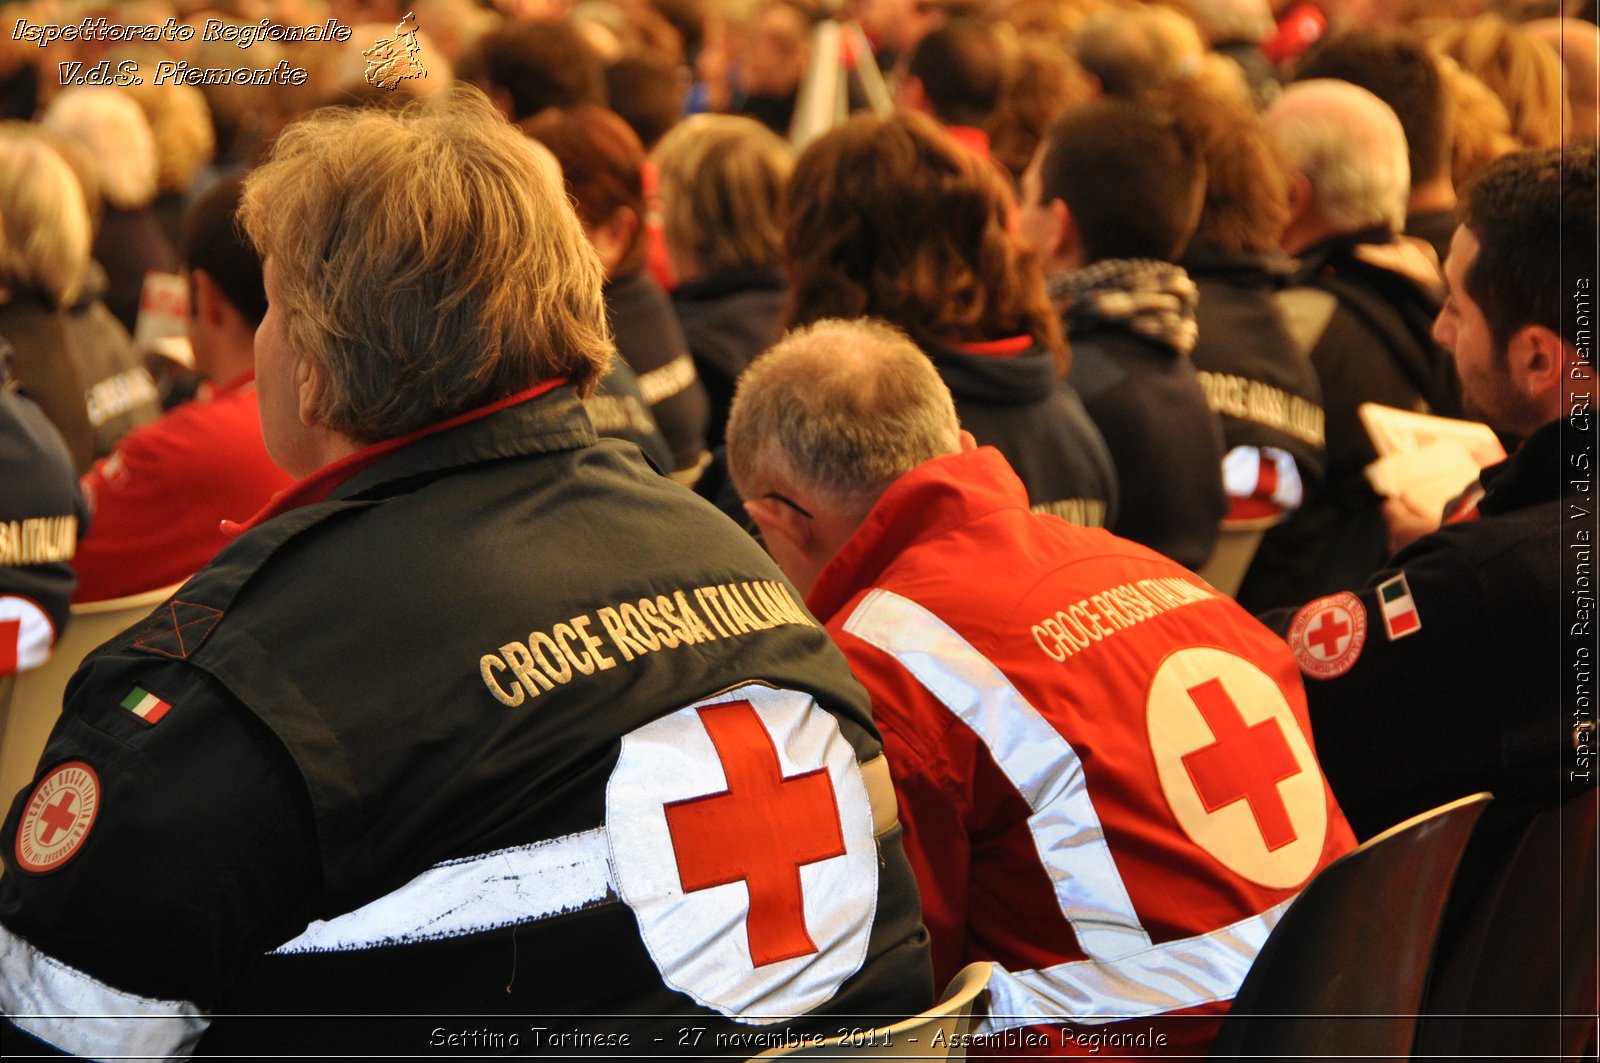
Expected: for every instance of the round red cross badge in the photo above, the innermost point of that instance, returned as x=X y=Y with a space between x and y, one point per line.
x=58 y=816
x=741 y=837
x=1327 y=635
x=1235 y=766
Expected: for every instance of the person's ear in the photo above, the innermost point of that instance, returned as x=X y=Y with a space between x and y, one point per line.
x=968 y=441
x=1301 y=197
x=1536 y=358
x=1065 y=228
x=613 y=237
x=911 y=95
x=784 y=526
x=208 y=298
x=310 y=380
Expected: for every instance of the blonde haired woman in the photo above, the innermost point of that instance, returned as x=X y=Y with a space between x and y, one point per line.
x=109 y=128
x=74 y=360
x=721 y=188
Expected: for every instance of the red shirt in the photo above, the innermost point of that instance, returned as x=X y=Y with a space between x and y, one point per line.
x=158 y=500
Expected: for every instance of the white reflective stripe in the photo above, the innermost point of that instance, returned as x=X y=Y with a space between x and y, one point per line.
x=1163 y=978
x=1039 y=762
x=472 y=895
x=82 y=1016
x=506 y=887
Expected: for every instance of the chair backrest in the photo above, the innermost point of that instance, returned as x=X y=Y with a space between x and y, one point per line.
x=1521 y=977
x=36 y=694
x=1344 y=972
x=938 y=1033
x=1236 y=547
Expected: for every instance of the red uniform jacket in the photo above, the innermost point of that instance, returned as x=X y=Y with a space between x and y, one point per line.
x=1104 y=766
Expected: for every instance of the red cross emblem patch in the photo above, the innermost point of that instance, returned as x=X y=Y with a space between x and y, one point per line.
x=1327 y=635
x=1235 y=766
x=741 y=837
x=58 y=816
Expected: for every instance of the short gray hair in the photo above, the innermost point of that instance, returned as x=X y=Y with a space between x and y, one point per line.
x=1350 y=146
x=843 y=407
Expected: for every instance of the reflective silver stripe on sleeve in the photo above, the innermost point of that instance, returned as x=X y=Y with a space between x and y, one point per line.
x=507 y=887
x=1163 y=978
x=82 y=1016
x=472 y=895
x=1045 y=770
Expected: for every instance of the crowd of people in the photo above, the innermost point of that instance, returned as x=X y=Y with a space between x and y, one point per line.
x=644 y=558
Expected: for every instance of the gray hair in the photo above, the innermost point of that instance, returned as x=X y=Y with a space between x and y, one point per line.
x=842 y=407
x=1225 y=21
x=1350 y=146
x=115 y=136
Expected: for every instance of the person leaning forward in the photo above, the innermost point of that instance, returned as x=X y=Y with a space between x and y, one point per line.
x=483 y=717
x=1104 y=766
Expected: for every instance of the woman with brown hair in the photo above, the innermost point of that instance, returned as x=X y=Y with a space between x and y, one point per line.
x=602 y=163
x=891 y=218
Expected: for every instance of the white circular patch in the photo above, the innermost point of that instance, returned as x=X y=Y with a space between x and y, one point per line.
x=1235 y=766
x=26 y=634
x=1327 y=635
x=57 y=817
x=741 y=837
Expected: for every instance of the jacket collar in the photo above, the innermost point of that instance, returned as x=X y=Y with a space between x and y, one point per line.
x=924 y=504
x=510 y=427
x=1531 y=475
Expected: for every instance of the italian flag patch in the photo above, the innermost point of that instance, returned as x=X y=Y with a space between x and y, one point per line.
x=1399 y=608
x=145 y=705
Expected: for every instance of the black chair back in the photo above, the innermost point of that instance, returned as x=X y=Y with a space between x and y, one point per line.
x=1344 y=973
x=1520 y=980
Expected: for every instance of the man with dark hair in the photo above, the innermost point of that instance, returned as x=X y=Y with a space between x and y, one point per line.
x=478 y=686
x=1443 y=675
x=525 y=67
x=957 y=74
x=1395 y=66
x=158 y=501
x=1109 y=202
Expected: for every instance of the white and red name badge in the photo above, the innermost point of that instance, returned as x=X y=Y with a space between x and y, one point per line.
x=741 y=837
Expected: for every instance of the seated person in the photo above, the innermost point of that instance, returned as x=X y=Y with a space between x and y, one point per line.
x=479 y=685
x=721 y=189
x=892 y=218
x=1361 y=303
x=602 y=163
x=1109 y=203
x=159 y=500
x=41 y=515
x=1441 y=675
x=1104 y=766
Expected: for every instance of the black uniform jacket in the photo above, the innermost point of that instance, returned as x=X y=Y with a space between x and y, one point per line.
x=1470 y=697
x=1019 y=404
x=506 y=724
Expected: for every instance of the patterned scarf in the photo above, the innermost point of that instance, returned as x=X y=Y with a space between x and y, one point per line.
x=1154 y=299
